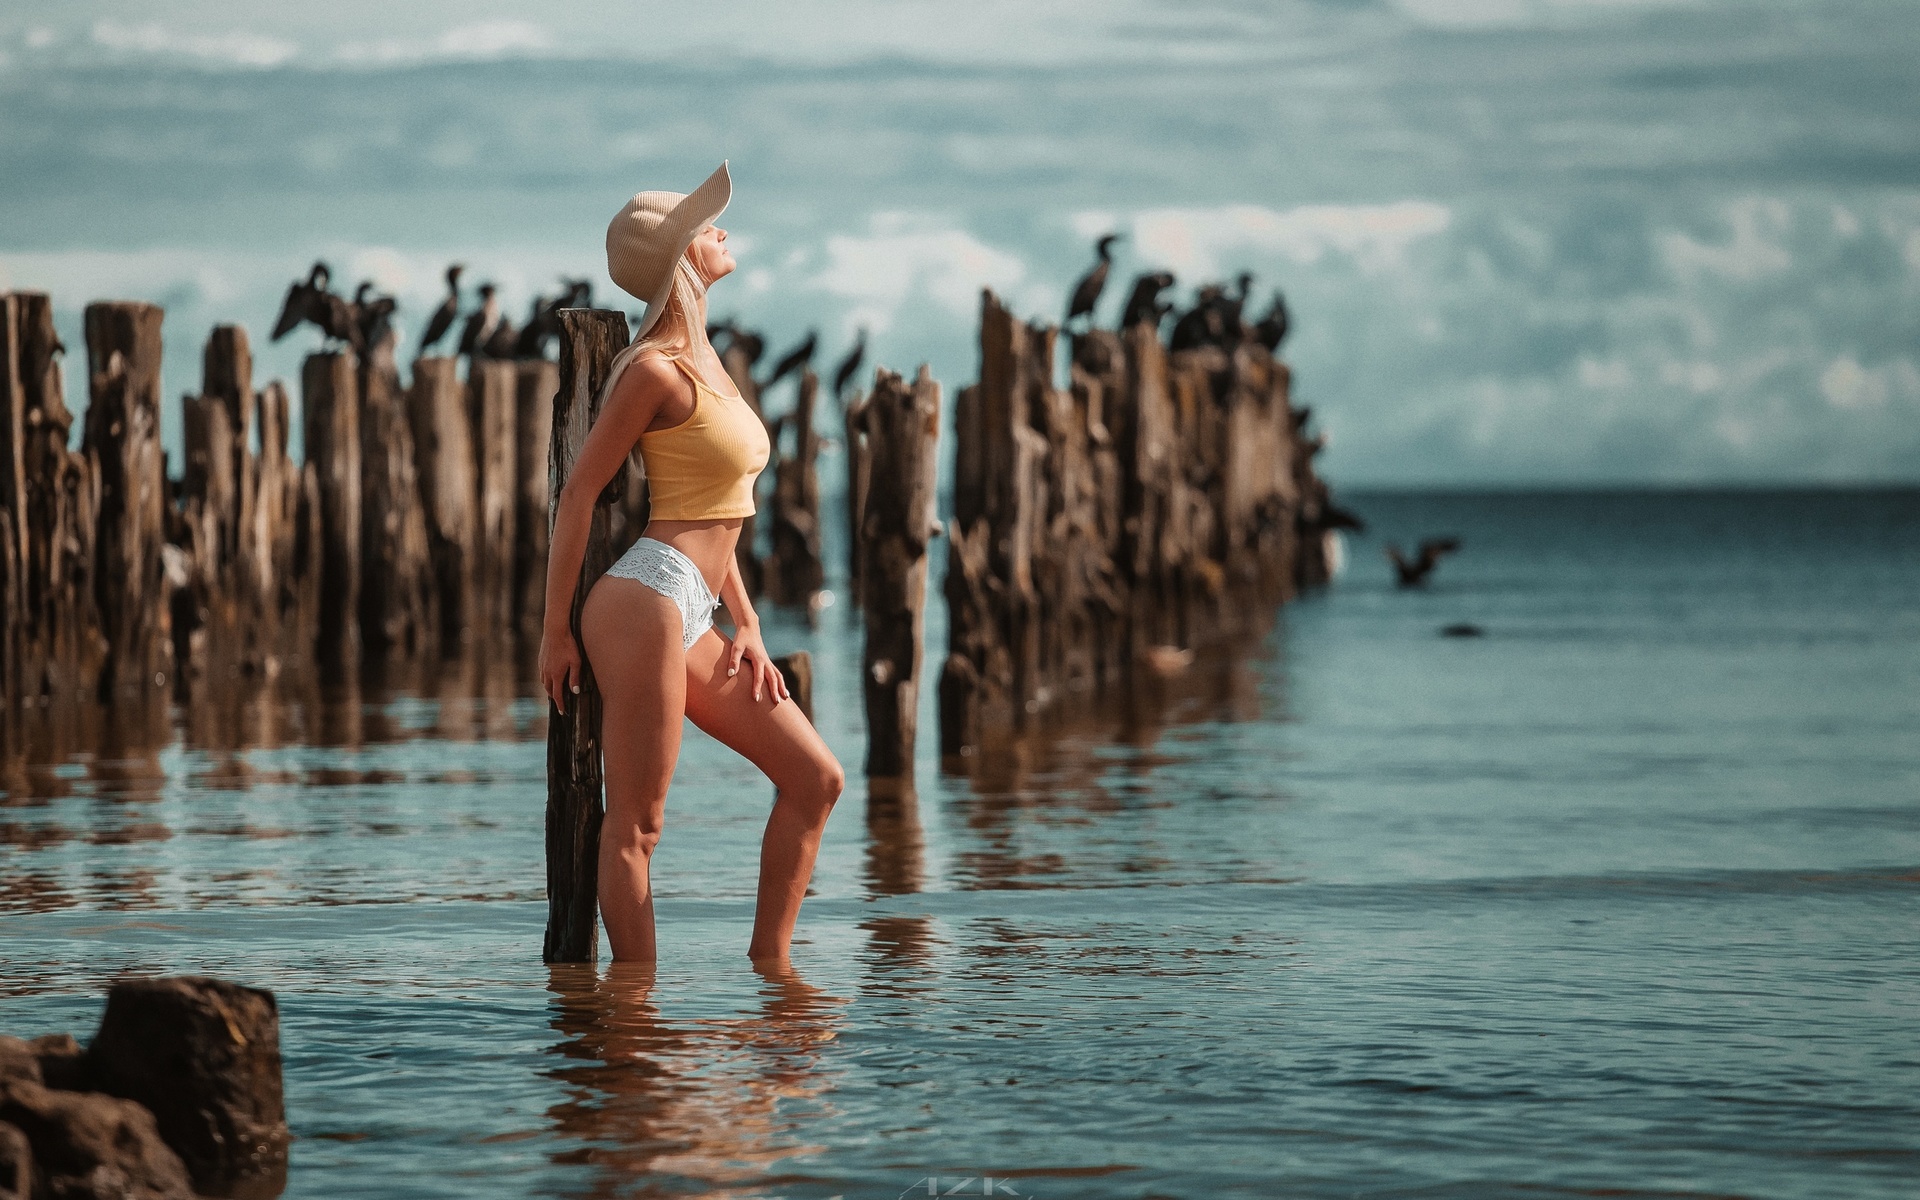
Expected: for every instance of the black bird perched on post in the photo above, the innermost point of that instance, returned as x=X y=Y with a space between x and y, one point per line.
x=1271 y=329
x=727 y=334
x=502 y=341
x=1414 y=573
x=850 y=365
x=1203 y=324
x=311 y=300
x=480 y=323
x=796 y=359
x=299 y=304
x=1086 y=293
x=1232 y=330
x=1144 y=303
x=442 y=319
x=373 y=315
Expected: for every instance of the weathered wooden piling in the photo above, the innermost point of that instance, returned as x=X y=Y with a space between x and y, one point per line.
x=535 y=383
x=398 y=609
x=444 y=457
x=492 y=384
x=900 y=433
x=1152 y=503
x=589 y=338
x=52 y=644
x=794 y=571
x=123 y=438
x=797 y=669
x=330 y=427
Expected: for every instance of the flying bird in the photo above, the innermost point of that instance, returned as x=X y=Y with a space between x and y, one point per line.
x=310 y=300
x=1144 y=303
x=1414 y=573
x=442 y=319
x=850 y=365
x=1086 y=293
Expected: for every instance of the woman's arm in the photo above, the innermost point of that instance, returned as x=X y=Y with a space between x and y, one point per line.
x=636 y=399
x=746 y=636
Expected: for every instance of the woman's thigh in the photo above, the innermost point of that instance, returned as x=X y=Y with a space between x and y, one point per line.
x=631 y=636
x=769 y=732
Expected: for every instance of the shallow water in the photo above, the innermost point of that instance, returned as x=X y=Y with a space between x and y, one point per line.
x=1622 y=898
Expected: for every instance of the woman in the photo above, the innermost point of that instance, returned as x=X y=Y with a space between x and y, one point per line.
x=648 y=622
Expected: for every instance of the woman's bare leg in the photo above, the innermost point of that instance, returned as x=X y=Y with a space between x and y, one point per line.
x=807 y=779
x=631 y=636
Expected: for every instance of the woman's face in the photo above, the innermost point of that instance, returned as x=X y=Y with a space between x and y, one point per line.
x=710 y=255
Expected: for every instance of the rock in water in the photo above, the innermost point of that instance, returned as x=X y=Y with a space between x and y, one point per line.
x=16 y=1164
x=63 y=1063
x=204 y=1056
x=87 y=1146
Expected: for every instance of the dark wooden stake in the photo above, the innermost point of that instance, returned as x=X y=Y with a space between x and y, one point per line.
x=902 y=433
x=589 y=339
x=444 y=457
x=397 y=603
x=123 y=439
x=330 y=409
x=536 y=381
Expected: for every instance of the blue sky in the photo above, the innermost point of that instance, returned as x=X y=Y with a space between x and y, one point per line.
x=1525 y=241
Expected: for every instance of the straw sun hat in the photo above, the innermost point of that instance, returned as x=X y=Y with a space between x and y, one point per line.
x=647 y=237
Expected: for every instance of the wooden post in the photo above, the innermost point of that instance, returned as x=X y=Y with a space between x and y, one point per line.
x=536 y=381
x=397 y=604
x=859 y=469
x=443 y=449
x=902 y=428
x=492 y=383
x=123 y=439
x=589 y=338
x=283 y=598
x=795 y=572
x=797 y=669
x=330 y=412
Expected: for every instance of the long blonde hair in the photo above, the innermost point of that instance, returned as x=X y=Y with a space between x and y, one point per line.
x=672 y=330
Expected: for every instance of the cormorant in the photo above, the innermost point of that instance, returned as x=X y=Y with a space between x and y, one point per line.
x=796 y=359
x=299 y=304
x=1086 y=293
x=1144 y=303
x=1271 y=329
x=1201 y=325
x=374 y=316
x=480 y=323
x=1414 y=573
x=1231 y=307
x=850 y=365
x=501 y=342
x=442 y=319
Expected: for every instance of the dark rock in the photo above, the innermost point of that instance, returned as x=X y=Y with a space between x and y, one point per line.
x=17 y=1061
x=86 y=1146
x=204 y=1056
x=16 y=1164
x=63 y=1064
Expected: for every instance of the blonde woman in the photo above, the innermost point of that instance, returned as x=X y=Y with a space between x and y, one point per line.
x=648 y=622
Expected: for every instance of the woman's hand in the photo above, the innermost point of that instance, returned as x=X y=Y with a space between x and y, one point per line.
x=748 y=647
x=559 y=666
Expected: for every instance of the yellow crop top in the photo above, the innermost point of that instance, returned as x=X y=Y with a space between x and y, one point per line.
x=704 y=467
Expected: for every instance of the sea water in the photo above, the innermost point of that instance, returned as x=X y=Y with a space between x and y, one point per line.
x=1619 y=897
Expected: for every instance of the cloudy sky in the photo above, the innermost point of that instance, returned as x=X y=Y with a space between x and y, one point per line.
x=1525 y=241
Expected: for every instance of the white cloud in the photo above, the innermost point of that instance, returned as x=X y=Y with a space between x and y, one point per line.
x=1847 y=385
x=1196 y=241
x=40 y=37
x=237 y=48
x=1754 y=249
x=502 y=38
x=903 y=256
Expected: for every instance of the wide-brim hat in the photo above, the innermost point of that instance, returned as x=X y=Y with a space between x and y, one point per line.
x=646 y=239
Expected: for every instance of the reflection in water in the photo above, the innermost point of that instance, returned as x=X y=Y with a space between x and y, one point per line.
x=1067 y=804
x=712 y=1101
x=96 y=801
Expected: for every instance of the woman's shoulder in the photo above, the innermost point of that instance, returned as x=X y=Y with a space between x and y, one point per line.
x=649 y=371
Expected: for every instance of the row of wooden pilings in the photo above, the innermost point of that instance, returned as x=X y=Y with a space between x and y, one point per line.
x=414 y=529
x=1158 y=501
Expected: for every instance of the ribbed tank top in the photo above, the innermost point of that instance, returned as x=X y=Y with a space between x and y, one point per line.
x=704 y=467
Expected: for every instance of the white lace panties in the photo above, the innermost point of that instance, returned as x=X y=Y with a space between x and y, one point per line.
x=674 y=576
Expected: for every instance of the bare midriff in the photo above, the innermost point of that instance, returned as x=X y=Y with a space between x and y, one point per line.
x=708 y=544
